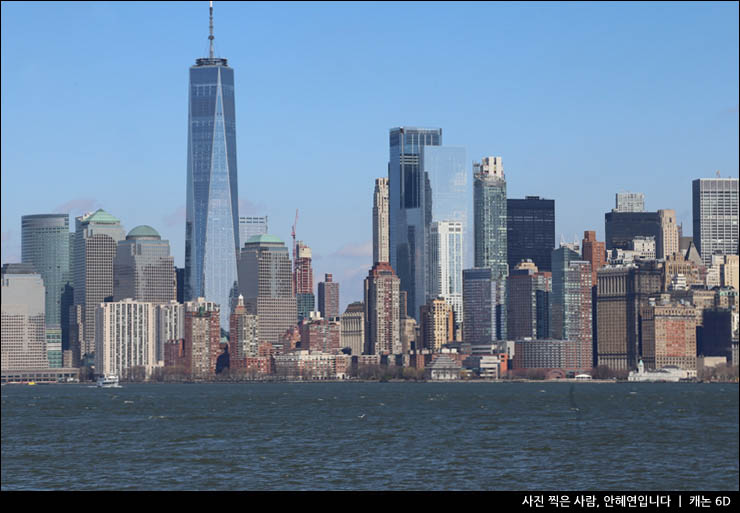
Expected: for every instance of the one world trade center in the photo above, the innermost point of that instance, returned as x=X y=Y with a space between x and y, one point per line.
x=212 y=220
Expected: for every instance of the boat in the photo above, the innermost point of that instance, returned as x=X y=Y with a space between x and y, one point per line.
x=109 y=381
x=31 y=382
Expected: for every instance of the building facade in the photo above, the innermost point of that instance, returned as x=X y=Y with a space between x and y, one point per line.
x=96 y=240
x=382 y=311
x=265 y=281
x=630 y=202
x=143 y=269
x=329 y=297
x=23 y=319
x=45 y=242
x=381 y=212
x=490 y=216
x=715 y=217
x=352 y=328
x=530 y=231
x=446 y=258
x=249 y=226
x=212 y=212
x=126 y=338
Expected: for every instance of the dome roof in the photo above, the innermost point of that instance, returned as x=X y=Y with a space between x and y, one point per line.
x=143 y=231
x=263 y=238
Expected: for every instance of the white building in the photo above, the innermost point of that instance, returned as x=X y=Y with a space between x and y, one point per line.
x=23 y=319
x=446 y=261
x=125 y=337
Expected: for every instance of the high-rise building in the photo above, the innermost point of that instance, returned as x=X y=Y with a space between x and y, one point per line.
x=202 y=337
x=528 y=292
x=244 y=333
x=489 y=214
x=249 y=226
x=380 y=221
x=410 y=212
x=303 y=280
x=630 y=202
x=530 y=232
x=667 y=243
x=143 y=269
x=211 y=224
x=265 y=281
x=45 y=245
x=621 y=228
x=715 y=217
x=352 y=334
x=96 y=239
x=669 y=336
x=382 y=311
x=437 y=325
x=446 y=260
x=594 y=252
x=170 y=325
x=484 y=307
x=126 y=338
x=561 y=259
x=319 y=334
x=621 y=294
x=329 y=297
x=23 y=319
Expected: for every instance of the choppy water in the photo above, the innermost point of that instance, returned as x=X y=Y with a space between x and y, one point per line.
x=371 y=436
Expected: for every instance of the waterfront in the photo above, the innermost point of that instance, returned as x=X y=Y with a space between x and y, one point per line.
x=371 y=436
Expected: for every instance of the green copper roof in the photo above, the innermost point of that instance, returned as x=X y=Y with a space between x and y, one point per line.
x=143 y=231
x=263 y=238
x=101 y=216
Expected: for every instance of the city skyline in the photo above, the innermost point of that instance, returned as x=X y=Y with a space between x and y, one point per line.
x=582 y=117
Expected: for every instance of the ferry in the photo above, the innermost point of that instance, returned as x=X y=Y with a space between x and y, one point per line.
x=109 y=381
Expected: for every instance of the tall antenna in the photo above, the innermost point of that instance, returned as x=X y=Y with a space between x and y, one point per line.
x=210 y=26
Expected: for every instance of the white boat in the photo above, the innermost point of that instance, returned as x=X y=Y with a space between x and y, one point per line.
x=109 y=381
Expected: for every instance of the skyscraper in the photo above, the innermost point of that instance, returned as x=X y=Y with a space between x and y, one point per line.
x=410 y=213
x=530 y=227
x=303 y=280
x=380 y=221
x=249 y=226
x=45 y=245
x=96 y=238
x=715 y=217
x=446 y=259
x=329 y=297
x=212 y=224
x=382 y=311
x=23 y=325
x=265 y=281
x=143 y=269
x=489 y=213
x=484 y=310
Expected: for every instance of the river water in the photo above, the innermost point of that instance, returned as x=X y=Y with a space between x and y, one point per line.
x=371 y=436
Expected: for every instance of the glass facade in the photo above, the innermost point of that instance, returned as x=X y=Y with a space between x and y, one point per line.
x=489 y=205
x=530 y=226
x=410 y=209
x=45 y=245
x=212 y=223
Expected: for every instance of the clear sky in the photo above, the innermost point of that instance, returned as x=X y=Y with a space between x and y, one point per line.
x=580 y=100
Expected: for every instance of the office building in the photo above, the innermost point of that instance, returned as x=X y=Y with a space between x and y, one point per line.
x=329 y=297
x=667 y=242
x=143 y=269
x=202 y=338
x=249 y=226
x=528 y=292
x=381 y=211
x=437 y=324
x=244 y=334
x=45 y=245
x=97 y=236
x=489 y=214
x=382 y=311
x=530 y=231
x=265 y=281
x=23 y=319
x=669 y=336
x=593 y=252
x=410 y=209
x=446 y=260
x=621 y=228
x=352 y=328
x=212 y=215
x=303 y=280
x=630 y=202
x=484 y=307
x=715 y=217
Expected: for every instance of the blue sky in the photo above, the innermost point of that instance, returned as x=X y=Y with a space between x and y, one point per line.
x=580 y=100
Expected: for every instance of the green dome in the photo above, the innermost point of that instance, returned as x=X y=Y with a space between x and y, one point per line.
x=264 y=238
x=143 y=231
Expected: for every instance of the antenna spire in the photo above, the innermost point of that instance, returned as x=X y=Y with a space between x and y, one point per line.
x=210 y=26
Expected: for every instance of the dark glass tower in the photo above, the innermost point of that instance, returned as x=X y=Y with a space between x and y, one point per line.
x=212 y=219
x=530 y=226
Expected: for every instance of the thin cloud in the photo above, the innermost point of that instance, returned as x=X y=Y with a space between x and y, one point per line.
x=78 y=206
x=362 y=250
x=175 y=218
